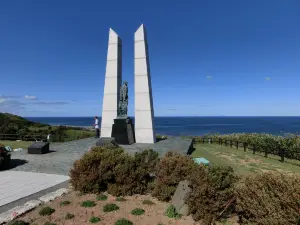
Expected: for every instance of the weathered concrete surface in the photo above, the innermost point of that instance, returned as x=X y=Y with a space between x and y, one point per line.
x=15 y=185
x=58 y=161
x=143 y=102
x=175 y=144
x=112 y=83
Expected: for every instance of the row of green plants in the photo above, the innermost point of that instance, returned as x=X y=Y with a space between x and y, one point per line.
x=272 y=143
x=217 y=192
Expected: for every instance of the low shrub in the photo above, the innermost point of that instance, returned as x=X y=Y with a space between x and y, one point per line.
x=101 y=197
x=88 y=204
x=94 y=219
x=137 y=212
x=46 y=211
x=123 y=222
x=48 y=223
x=110 y=207
x=148 y=202
x=212 y=192
x=120 y=199
x=64 y=203
x=269 y=198
x=18 y=222
x=171 y=169
x=5 y=157
x=171 y=212
x=69 y=216
x=110 y=168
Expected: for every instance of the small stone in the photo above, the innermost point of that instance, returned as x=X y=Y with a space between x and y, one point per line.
x=179 y=197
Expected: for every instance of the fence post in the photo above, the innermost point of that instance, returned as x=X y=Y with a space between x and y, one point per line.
x=266 y=152
x=237 y=145
x=282 y=153
x=230 y=143
x=221 y=141
x=254 y=148
x=202 y=140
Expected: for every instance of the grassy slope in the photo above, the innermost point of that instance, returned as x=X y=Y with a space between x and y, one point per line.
x=34 y=128
x=16 y=144
x=243 y=162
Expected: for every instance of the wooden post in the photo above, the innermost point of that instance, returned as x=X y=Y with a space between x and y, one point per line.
x=245 y=147
x=282 y=154
x=237 y=145
x=221 y=141
x=203 y=140
x=254 y=148
x=230 y=143
x=266 y=152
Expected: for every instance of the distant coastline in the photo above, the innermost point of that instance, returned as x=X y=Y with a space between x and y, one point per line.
x=197 y=126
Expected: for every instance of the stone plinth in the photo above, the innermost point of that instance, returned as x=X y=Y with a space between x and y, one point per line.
x=39 y=148
x=144 y=114
x=123 y=131
x=105 y=141
x=112 y=84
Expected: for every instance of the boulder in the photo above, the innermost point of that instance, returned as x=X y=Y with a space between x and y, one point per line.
x=179 y=198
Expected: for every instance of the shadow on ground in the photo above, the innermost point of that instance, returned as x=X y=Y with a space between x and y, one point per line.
x=14 y=163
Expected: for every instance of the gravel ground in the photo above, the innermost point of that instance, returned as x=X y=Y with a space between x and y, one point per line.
x=63 y=155
x=59 y=161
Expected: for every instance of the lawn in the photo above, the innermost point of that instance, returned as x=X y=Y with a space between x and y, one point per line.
x=17 y=144
x=243 y=162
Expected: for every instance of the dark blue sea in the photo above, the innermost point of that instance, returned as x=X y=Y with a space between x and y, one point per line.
x=200 y=125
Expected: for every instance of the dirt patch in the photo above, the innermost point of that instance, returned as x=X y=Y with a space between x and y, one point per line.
x=154 y=214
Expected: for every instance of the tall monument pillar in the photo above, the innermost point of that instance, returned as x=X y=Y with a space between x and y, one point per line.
x=113 y=79
x=143 y=103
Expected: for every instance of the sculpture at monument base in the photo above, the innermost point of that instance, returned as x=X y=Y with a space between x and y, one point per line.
x=123 y=129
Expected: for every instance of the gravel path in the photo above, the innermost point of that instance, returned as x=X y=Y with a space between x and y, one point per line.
x=57 y=162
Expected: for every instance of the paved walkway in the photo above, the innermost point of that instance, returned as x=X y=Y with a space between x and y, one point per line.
x=15 y=185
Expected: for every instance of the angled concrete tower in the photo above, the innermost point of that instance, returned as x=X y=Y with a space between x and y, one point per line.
x=143 y=103
x=113 y=79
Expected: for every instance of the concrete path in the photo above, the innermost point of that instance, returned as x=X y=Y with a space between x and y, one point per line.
x=15 y=185
x=32 y=176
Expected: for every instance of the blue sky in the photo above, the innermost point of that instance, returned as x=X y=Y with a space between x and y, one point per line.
x=207 y=58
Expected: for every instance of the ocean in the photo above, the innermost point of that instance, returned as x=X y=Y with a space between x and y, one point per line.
x=195 y=126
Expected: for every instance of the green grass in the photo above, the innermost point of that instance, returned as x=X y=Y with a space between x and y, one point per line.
x=101 y=197
x=16 y=144
x=120 y=199
x=64 y=203
x=243 y=162
x=78 y=134
x=69 y=216
x=88 y=204
x=148 y=202
x=46 y=211
x=94 y=219
x=137 y=212
x=110 y=207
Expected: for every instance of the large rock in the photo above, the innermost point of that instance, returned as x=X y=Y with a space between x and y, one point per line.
x=181 y=194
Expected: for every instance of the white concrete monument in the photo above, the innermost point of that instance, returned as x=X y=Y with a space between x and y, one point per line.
x=113 y=79
x=143 y=103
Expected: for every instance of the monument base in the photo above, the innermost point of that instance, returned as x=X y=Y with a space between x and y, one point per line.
x=123 y=131
x=105 y=141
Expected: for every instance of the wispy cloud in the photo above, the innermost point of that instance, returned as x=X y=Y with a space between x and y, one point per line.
x=172 y=110
x=208 y=77
x=50 y=103
x=30 y=97
x=267 y=78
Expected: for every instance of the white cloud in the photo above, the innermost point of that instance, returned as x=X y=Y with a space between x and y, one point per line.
x=30 y=97
x=267 y=78
x=208 y=77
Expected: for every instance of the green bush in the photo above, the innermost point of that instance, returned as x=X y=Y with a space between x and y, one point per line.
x=101 y=197
x=137 y=212
x=110 y=168
x=46 y=211
x=64 y=203
x=110 y=207
x=69 y=216
x=94 y=219
x=123 y=222
x=120 y=199
x=18 y=222
x=171 y=169
x=88 y=204
x=171 y=212
x=269 y=198
x=48 y=223
x=212 y=191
